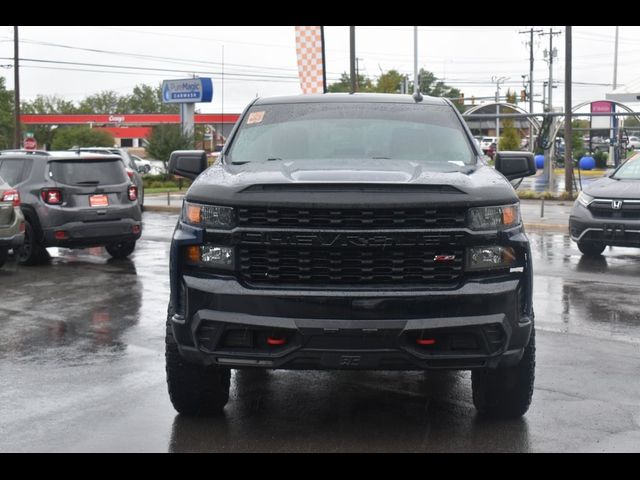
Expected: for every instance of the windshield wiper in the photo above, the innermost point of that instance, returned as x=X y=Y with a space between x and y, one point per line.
x=88 y=182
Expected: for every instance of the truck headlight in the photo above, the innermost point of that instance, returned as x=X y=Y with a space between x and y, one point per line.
x=213 y=256
x=481 y=258
x=585 y=199
x=208 y=216
x=493 y=218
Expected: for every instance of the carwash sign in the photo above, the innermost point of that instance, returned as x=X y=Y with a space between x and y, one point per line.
x=190 y=90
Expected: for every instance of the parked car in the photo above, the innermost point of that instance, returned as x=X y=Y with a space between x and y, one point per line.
x=633 y=143
x=143 y=166
x=607 y=212
x=129 y=163
x=74 y=200
x=307 y=247
x=487 y=142
x=11 y=218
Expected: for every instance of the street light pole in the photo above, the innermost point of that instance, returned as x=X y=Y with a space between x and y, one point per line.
x=498 y=81
x=415 y=59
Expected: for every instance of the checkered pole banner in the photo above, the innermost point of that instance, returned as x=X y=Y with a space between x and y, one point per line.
x=310 y=61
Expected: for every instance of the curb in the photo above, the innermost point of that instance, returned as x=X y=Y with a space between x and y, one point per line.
x=162 y=208
x=546 y=227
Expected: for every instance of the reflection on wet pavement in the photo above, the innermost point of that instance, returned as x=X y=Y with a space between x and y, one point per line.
x=587 y=296
x=82 y=353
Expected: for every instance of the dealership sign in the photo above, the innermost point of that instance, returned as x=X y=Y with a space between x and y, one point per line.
x=190 y=90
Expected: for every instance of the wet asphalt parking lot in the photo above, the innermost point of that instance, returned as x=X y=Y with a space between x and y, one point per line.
x=82 y=369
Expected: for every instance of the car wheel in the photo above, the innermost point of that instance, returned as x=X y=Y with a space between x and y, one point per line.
x=121 y=250
x=506 y=392
x=32 y=252
x=591 y=249
x=4 y=253
x=194 y=389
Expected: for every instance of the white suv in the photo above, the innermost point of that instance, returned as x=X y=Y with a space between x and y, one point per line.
x=486 y=143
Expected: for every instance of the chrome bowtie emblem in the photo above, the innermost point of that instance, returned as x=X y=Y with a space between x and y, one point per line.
x=616 y=204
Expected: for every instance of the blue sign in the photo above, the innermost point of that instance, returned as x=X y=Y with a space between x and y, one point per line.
x=189 y=90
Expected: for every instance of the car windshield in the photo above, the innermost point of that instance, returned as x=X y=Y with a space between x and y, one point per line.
x=429 y=134
x=629 y=170
x=85 y=172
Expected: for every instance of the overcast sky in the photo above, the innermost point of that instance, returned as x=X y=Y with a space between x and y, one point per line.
x=262 y=60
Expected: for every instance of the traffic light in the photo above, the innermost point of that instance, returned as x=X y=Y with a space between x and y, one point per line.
x=523 y=95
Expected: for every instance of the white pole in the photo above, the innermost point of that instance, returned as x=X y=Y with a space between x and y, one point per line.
x=615 y=61
x=415 y=59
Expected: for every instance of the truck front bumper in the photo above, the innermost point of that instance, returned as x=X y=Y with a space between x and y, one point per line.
x=480 y=324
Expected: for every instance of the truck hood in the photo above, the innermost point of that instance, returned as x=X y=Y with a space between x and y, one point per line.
x=382 y=183
x=610 y=188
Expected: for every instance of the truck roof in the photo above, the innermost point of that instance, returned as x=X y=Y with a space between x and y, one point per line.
x=350 y=98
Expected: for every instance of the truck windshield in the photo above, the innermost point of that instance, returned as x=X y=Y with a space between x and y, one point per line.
x=428 y=134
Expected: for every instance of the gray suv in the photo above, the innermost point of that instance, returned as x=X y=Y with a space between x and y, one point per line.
x=73 y=200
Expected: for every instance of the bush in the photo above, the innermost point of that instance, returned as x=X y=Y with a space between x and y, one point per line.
x=601 y=159
x=166 y=181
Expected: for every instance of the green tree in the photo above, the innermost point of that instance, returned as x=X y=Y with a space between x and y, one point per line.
x=509 y=140
x=65 y=138
x=344 y=84
x=577 y=144
x=147 y=99
x=389 y=82
x=6 y=116
x=511 y=97
x=105 y=102
x=47 y=104
x=166 y=139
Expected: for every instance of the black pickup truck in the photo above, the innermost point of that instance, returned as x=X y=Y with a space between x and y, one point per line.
x=351 y=232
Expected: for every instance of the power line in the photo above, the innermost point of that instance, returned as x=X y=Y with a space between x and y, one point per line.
x=154 y=69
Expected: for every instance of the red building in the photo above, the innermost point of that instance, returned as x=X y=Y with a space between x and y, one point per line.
x=130 y=129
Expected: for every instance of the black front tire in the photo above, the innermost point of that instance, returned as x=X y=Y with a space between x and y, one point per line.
x=121 y=250
x=591 y=249
x=506 y=392
x=32 y=252
x=194 y=390
x=4 y=253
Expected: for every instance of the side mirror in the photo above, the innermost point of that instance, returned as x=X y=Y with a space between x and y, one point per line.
x=188 y=163
x=515 y=164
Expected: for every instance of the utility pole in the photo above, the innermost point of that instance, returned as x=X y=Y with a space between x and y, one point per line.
x=568 y=127
x=615 y=60
x=552 y=54
x=498 y=81
x=17 y=139
x=352 y=60
x=415 y=60
x=531 y=32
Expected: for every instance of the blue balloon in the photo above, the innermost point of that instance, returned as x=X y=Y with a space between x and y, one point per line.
x=587 y=163
x=539 y=161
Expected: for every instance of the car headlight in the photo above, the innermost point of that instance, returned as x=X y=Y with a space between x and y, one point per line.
x=585 y=199
x=208 y=216
x=493 y=218
x=213 y=256
x=481 y=258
